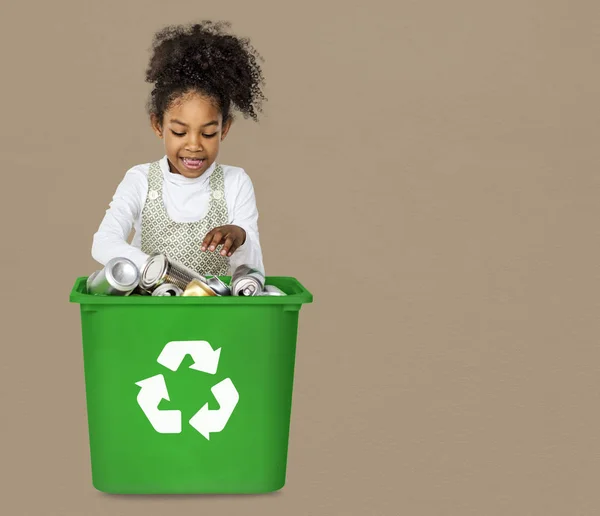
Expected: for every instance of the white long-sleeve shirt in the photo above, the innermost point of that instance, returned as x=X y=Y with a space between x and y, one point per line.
x=186 y=200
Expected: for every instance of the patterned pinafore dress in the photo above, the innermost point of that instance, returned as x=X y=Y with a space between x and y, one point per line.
x=181 y=241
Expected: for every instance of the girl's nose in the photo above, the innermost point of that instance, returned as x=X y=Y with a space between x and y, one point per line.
x=193 y=144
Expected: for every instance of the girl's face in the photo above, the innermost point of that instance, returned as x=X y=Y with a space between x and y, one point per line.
x=193 y=130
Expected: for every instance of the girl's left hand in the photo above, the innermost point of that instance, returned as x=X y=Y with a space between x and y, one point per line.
x=232 y=236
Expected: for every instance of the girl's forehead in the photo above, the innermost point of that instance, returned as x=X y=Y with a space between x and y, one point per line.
x=194 y=105
x=193 y=114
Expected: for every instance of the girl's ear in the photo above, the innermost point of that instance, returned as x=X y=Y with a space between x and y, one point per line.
x=226 y=127
x=156 y=126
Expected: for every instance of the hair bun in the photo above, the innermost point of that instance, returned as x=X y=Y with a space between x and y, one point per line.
x=202 y=56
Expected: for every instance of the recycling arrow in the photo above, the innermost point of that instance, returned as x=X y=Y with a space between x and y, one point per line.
x=207 y=421
x=205 y=359
x=153 y=390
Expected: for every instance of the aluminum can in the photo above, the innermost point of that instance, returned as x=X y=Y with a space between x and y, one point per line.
x=119 y=277
x=220 y=288
x=158 y=269
x=90 y=279
x=247 y=281
x=167 y=289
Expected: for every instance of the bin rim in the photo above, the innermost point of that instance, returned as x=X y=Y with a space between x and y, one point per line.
x=288 y=284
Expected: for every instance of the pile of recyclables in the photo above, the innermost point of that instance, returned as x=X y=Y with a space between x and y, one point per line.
x=163 y=277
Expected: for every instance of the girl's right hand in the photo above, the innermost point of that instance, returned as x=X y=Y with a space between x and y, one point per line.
x=233 y=236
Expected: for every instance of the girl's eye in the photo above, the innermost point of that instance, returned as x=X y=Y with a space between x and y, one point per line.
x=205 y=135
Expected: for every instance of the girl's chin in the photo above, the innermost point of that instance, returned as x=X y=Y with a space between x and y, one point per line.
x=190 y=173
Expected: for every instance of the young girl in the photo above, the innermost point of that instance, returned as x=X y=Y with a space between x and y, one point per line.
x=197 y=211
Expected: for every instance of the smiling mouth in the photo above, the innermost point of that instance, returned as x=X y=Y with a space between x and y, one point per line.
x=193 y=163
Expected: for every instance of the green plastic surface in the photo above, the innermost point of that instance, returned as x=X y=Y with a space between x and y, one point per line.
x=122 y=340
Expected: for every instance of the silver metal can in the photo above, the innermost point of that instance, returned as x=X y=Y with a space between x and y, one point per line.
x=167 y=289
x=158 y=269
x=90 y=279
x=247 y=281
x=220 y=288
x=119 y=277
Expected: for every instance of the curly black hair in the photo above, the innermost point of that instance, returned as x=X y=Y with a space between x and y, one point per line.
x=202 y=57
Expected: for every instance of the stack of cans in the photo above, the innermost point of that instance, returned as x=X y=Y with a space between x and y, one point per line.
x=161 y=277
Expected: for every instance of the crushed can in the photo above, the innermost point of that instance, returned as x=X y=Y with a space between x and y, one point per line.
x=158 y=270
x=119 y=277
x=198 y=288
x=247 y=281
x=220 y=288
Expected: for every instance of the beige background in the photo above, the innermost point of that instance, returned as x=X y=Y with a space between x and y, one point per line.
x=427 y=169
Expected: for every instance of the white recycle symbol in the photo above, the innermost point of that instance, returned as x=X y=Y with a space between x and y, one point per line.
x=154 y=389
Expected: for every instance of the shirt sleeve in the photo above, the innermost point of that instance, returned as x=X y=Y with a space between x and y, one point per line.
x=110 y=241
x=245 y=215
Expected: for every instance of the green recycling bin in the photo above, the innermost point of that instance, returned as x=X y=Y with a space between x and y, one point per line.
x=189 y=394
